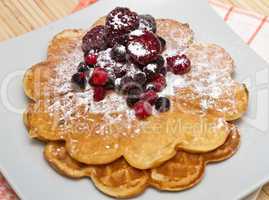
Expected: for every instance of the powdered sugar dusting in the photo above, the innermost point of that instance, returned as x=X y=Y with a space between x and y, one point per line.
x=137 y=33
x=178 y=36
x=209 y=79
x=118 y=21
x=64 y=71
x=138 y=49
x=111 y=66
x=173 y=82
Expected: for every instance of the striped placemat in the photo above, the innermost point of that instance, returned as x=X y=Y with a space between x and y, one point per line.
x=21 y=16
x=259 y=6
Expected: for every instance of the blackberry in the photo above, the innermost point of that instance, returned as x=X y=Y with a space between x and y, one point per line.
x=162 y=104
x=122 y=20
x=95 y=39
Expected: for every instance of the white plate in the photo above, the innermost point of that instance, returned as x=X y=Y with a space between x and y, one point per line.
x=21 y=159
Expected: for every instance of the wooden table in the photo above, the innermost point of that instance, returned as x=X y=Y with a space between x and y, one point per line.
x=21 y=16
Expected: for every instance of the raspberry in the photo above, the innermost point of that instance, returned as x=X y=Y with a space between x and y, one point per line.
x=99 y=77
x=90 y=59
x=149 y=96
x=80 y=79
x=118 y=53
x=159 y=82
x=142 y=109
x=147 y=22
x=122 y=21
x=162 y=104
x=99 y=93
x=179 y=64
x=144 y=48
x=95 y=39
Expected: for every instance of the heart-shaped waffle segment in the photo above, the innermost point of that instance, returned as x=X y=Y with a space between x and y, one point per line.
x=119 y=179
x=101 y=132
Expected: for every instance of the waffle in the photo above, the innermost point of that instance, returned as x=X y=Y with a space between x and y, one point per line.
x=121 y=180
x=100 y=133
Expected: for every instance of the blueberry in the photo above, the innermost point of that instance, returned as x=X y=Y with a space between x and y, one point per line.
x=125 y=80
x=162 y=104
x=157 y=67
x=127 y=83
x=163 y=71
x=160 y=61
x=140 y=77
x=147 y=22
x=80 y=79
x=118 y=53
x=151 y=70
x=163 y=43
x=135 y=92
x=132 y=100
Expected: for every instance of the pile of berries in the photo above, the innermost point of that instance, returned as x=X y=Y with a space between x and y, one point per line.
x=133 y=42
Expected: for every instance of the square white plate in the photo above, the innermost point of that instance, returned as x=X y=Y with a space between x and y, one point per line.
x=21 y=159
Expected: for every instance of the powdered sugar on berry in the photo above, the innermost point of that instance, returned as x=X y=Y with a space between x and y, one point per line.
x=138 y=49
x=136 y=33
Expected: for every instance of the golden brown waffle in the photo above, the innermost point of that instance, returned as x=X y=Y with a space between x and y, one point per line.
x=119 y=179
x=100 y=133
